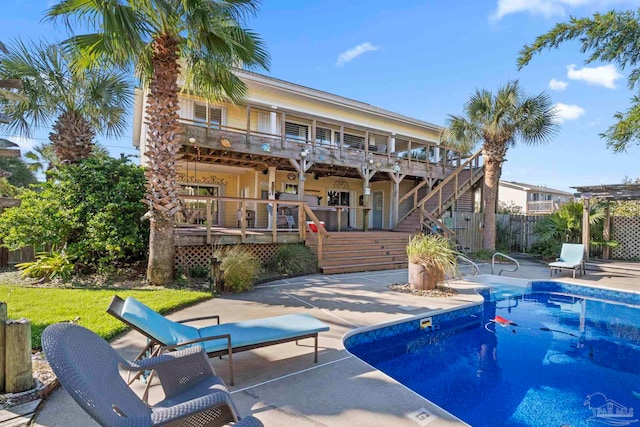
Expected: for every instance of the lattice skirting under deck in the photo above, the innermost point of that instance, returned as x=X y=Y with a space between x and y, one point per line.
x=198 y=256
x=626 y=231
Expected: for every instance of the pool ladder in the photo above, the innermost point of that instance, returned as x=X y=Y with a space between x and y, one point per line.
x=473 y=264
x=493 y=262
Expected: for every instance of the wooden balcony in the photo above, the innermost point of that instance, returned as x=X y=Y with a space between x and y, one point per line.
x=259 y=150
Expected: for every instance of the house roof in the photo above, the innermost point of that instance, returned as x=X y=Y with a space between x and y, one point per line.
x=333 y=99
x=529 y=187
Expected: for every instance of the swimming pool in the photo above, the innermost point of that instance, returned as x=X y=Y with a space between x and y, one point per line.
x=544 y=354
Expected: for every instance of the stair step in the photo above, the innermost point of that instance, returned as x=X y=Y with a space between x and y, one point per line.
x=347 y=254
x=364 y=260
x=354 y=268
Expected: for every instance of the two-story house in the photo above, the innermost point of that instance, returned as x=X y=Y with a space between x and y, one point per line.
x=532 y=199
x=292 y=159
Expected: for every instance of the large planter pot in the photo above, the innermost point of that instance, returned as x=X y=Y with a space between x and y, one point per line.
x=422 y=279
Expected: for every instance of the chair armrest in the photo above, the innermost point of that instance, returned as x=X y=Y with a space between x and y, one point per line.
x=154 y=362
x=193 y=319
x=215 y=399
x=558 y=259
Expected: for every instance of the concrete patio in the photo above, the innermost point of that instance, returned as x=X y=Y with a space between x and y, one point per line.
x=281 y=385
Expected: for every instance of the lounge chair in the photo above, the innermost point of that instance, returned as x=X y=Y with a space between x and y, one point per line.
x=217 y=340
x=571 y=258
x=87 y=367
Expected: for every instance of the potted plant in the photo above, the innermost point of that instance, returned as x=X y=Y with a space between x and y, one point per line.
x=431 y=258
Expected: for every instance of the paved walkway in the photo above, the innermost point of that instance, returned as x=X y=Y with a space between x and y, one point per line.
x=282 y=386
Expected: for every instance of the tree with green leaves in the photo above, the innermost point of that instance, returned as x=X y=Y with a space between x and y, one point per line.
x=158 y=38
x=498 y=121
x=21 y=174
x=609 y=37
x=90 y=209
x=78 y=103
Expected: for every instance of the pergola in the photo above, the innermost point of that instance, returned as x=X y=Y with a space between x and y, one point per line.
x=608 y=192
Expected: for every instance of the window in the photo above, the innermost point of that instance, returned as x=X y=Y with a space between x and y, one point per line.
x=196 y=210
x=213 y=118
x=291 y=188
x=338 y=198
x=354 y=141
x=296 y=131
x=323 y=135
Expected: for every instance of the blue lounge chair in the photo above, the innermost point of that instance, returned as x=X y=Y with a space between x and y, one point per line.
x=217 y=340
x=571 y=258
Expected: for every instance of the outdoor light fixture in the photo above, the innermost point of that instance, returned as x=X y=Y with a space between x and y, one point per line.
x=192 y=140
x=370 y=161
x=304 y=153
x=225 y=142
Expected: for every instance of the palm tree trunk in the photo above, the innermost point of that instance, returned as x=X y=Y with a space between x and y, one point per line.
x=162 y=148
x=491 y=178
x=72 y=137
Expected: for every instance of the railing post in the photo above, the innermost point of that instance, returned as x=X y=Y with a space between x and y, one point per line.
x=209 y=220
x=302 y=229
x=248 y=122
x=274 y=231
x=243 y=221
x=283 y=131
x=319 y=246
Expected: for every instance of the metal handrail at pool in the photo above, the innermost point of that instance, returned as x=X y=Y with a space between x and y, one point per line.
x=493 y=262
x=473 y=264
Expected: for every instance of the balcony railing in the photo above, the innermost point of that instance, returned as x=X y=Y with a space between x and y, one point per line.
x=543 y=206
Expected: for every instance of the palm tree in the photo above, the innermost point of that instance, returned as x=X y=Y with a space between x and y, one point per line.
x=78 y=103
x=498 y=121
x=158 y=38
x=42 y=159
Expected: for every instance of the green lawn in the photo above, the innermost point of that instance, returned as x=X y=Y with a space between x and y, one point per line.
x=44 y=306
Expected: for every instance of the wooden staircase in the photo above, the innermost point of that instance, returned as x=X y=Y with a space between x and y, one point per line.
x=426 y=210
x=346 y=252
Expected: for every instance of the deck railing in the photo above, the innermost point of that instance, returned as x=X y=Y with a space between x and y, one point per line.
x=542 y=206
x=377 y=153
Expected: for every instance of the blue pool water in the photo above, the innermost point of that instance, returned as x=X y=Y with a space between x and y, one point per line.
x=566 y=343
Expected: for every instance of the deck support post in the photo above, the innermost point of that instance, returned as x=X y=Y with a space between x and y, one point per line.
x=395 y=197
x=586 y=227
x=301 y=167
x=272 y=195
x=606 y=231
x=366 y=173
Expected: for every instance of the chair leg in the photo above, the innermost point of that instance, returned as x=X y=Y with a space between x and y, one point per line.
x=574 y=273
x=316 y=349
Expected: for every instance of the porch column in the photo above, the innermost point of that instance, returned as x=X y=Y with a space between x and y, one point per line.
x=395 y=197
x=273 y=123
x=586 y=228
x=301 y=167
x=366 y=174
x=606 y=231
x=272 y=193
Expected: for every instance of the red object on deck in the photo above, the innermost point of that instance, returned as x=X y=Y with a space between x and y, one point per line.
x=313 y=227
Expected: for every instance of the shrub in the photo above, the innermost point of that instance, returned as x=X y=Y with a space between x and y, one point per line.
x=240 y=269
x=91 y=209
x=293 y=259
x=54 y=265
x=547 y=249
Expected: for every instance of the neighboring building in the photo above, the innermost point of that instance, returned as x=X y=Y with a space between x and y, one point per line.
x=355 y=166
x=532 y=199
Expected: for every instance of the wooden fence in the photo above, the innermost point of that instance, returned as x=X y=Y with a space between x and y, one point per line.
x=513 y=231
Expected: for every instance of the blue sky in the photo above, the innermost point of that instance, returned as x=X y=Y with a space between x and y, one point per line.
x=424 y=58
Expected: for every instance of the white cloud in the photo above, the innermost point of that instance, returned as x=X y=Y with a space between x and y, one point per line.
x=354 y=52
x=605 y=75
x=557 y=84
x=546 y=8
x=566 y=112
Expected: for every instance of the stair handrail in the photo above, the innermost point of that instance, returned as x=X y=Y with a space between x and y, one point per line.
x=493 y=261
x=436 y=221
x=440 y=186
x=468 y=261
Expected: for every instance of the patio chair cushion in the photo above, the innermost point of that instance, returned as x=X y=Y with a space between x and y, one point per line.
x=158 y=326
x=561 y=264
x=259 y=331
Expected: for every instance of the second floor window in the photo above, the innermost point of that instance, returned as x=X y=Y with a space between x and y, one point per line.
x=296 y=131
x=211 y=116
